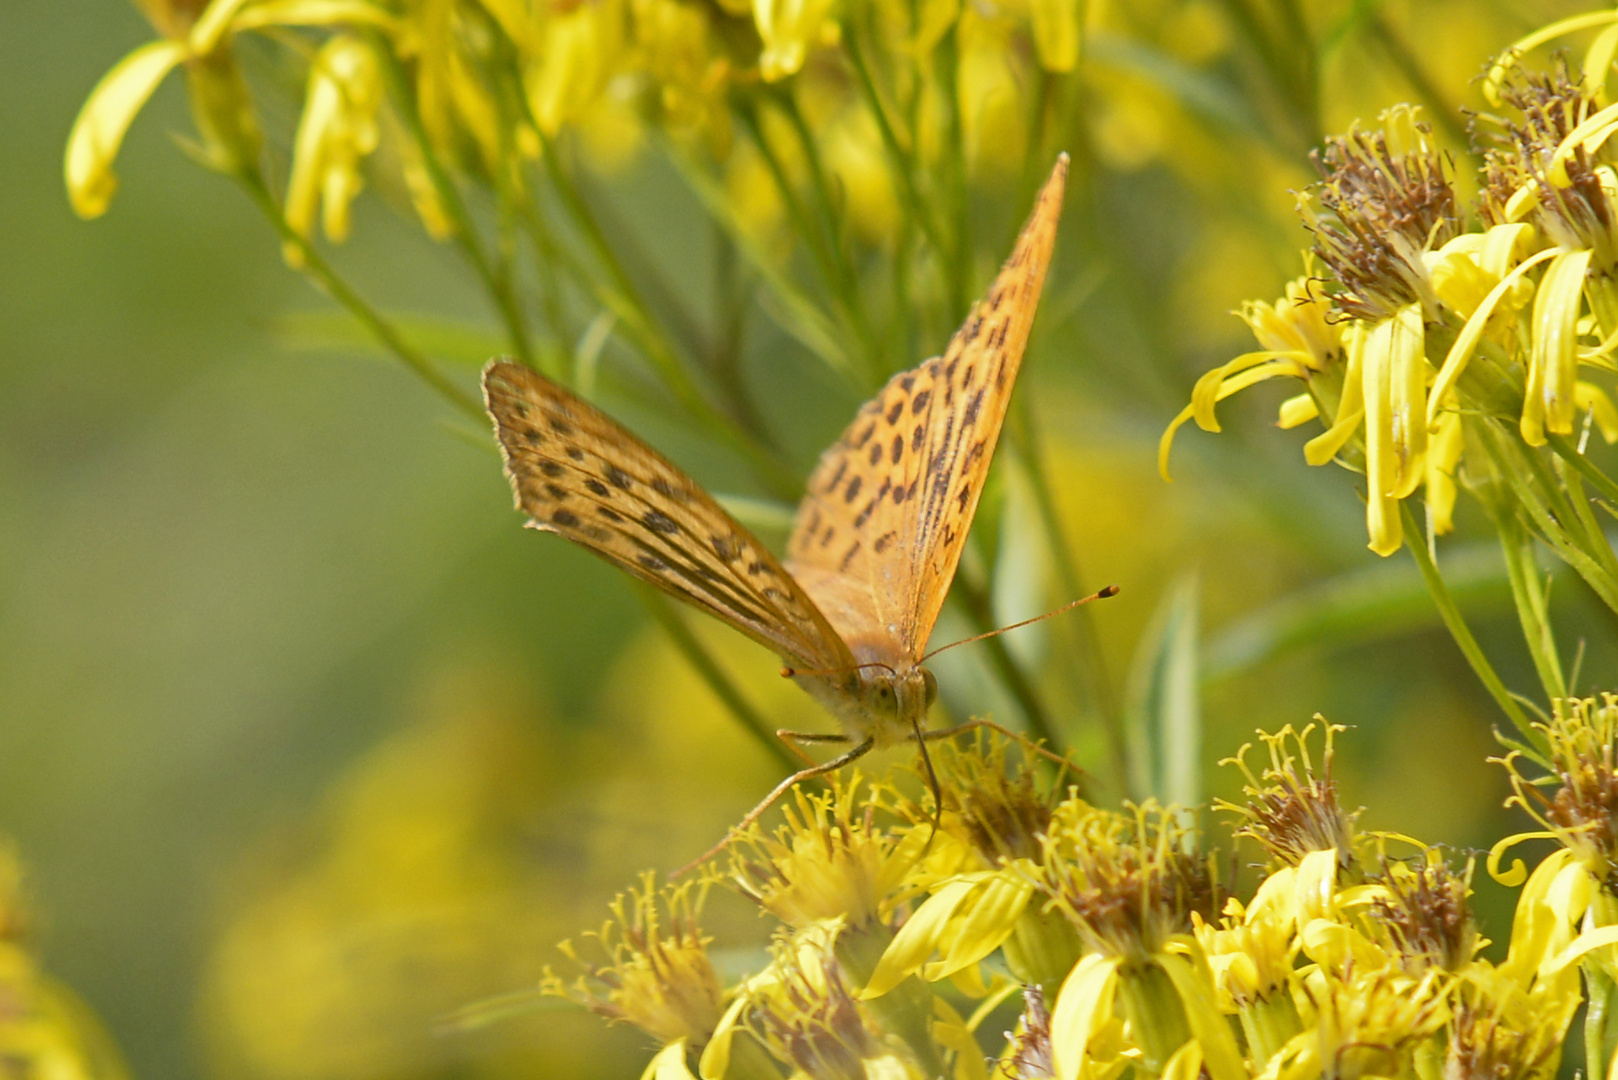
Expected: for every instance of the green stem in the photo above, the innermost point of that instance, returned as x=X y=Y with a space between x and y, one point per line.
x=327 y=279
x=1532 y=610
x=1564 y=448
x=697 y=655
x=1415 y=540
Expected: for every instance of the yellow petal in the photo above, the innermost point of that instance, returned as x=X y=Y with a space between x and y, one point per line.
x=92 y=145
x=1209 y=1029
x=1381 y=459
x=1350 y=406
x=216 y=21
x=343 y=13
x=1587 y=942
x=918 y=937
x=715 y=1060
x=1407 y=399
x=1317 y=884
x=1548 y=403
x=1595 y=401
x=1466 y=342
x=1296 y=410
x=1082 y=1006
x=669 y=1064
x=992 y=917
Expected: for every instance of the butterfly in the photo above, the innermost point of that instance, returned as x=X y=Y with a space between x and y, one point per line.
x=877 y=536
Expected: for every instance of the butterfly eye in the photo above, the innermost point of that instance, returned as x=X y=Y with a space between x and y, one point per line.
x=931 y=686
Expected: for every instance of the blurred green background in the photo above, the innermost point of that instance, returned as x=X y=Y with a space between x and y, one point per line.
x=305 y=743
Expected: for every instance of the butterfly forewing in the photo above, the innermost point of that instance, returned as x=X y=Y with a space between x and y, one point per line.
x=880 y=565
x=577 y=472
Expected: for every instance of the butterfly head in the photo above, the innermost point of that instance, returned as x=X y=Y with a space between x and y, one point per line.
x=896 y=701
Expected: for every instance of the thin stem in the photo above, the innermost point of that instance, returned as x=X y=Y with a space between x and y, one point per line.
x=1415 y=542
x=1532 y=610
x=1565 y=449
x=698 y=656
x=326 y=278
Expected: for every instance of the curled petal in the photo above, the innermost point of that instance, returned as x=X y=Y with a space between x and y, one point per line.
x=99 y=131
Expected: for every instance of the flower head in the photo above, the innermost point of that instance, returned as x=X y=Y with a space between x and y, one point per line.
x=1426 y=916
x=803 y=1011
x=1384 y=199
x=1291 y=810
x=1127 y=882
x=830 y=860
x=1582 y=735
x=657 y=974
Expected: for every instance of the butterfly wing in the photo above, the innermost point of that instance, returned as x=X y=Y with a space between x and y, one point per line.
x=880 y=532
x=578 y=473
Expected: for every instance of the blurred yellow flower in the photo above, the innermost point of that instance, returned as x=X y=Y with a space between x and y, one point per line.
x=337 y=130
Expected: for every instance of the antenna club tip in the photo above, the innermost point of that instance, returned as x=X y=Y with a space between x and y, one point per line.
x=787 y=673
x=1110 y=590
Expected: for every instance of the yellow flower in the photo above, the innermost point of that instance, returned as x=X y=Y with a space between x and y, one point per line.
x=1291 y=809
x=581 y=50
x=789 y=28
x=337 y=130
x=829 y=861
x=1365 y=1023
x=657 y=975
x=201 y=42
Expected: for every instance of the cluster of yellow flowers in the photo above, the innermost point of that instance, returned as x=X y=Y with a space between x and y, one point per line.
x=899 y=937
x=1426 y=335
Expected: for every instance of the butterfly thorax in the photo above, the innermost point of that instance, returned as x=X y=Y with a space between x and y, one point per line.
x=883 y=704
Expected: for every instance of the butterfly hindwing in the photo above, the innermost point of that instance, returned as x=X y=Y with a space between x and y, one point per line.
x=577 y=472
x=880 y=567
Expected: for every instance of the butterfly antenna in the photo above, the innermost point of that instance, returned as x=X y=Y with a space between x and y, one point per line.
x=1110 y=590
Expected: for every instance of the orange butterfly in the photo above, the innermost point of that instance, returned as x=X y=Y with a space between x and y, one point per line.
x=877 y=537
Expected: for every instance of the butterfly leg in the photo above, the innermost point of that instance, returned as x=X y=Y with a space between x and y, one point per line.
x=769 y=800
x=794 y=738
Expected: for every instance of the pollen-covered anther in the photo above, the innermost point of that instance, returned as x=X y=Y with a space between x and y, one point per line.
x=1291 y=810
x=1528 y=170
x=831 y=859
x=1426 y=915
x=1583 y=813
x=1384 y=199
x=1000 y=808
x=1128 y=883
x=808 y=1017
